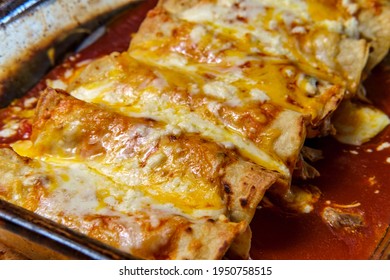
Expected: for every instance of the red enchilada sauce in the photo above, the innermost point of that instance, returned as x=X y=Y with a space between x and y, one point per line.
x=116 y=38
x=353 y=179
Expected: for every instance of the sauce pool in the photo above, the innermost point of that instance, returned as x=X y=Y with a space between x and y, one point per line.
x=346 y=177
x=349 y=175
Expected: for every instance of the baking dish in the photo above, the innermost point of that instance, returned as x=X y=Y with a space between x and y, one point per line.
x=40 y=238
x=98 y=250
x=28 y=29
x=32 y=40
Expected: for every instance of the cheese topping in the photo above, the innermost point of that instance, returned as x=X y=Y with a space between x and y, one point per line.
x=219 y=86
x=9 y=129
x=285 y=29
x=190 y=122
x=151 y=103
x=358 y=123
x=191 y=197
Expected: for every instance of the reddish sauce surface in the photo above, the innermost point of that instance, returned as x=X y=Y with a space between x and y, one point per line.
x=119 y=32
x=346 y=178
x=117 y=37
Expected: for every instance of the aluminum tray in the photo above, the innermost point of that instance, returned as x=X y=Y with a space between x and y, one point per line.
x=28 y=29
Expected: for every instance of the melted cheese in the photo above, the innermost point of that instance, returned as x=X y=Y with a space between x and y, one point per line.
x=358 y=123
x=284 y=29
x=131 y=188
x=151 y=104
x=237 y=70
x=190 y=122
x=9 y=129
x=97 y=196
x=224 y=71
x=244 y=75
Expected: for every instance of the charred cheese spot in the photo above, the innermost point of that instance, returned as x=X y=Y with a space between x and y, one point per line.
x=189 y=230
x=243 y=202
x=227 y=188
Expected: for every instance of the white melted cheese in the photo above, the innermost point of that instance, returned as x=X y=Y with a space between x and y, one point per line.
x=58 y=84
x=250 y=9
x=259 y=95
x=174 y=60
x=350 y=6
x=159 y=108
x=332 y=25
x=220 y=89
x=30 y=102
x=191 y=122
x=308 y=84
x=197 y=33
x=352 y=28
x=225 y=16
x=261 y=23
x=9 y=129
x=74 y=189
x=128 y=172
x=357 y=123
x=382 y=146
x=177 y=184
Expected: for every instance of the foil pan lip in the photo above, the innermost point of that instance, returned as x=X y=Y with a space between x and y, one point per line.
x=29 y=28
x=12 y=9
x=56 y=237
x=382 y=251
x=29 y=61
